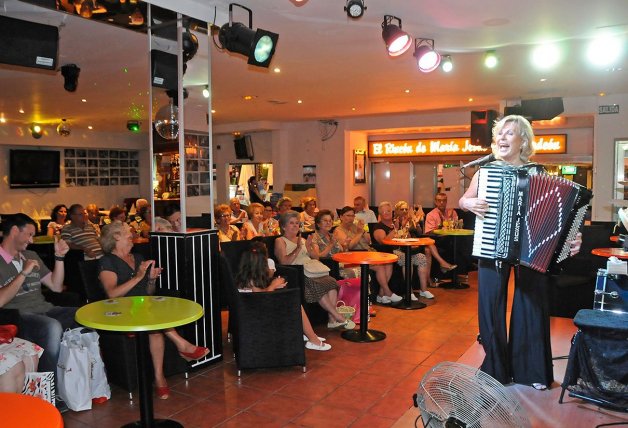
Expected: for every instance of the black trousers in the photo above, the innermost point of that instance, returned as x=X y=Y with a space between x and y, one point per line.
x=525 y=356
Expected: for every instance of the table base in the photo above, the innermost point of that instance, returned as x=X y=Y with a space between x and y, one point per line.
x=363 y=337
x=158 y=423
x=453 y=285
x=411 y=305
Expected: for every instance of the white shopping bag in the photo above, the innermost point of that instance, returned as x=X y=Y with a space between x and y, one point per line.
x=74 y=371
x=99 y=386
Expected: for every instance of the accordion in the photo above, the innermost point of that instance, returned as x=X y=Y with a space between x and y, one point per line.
x=531 y=217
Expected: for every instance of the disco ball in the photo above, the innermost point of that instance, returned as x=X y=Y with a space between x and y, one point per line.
x=64 y=128
x=167 y=122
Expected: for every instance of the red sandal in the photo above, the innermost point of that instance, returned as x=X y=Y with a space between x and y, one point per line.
x=163 y=392
x=197 y=354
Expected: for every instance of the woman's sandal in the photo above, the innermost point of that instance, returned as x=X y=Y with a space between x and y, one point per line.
x=197 y=354
x=539 y=386
x=448 y=268
x=163 y=392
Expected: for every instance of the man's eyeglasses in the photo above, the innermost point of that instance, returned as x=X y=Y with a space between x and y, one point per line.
x=224 y=215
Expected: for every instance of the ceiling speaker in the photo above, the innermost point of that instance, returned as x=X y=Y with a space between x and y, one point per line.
x=539 y=109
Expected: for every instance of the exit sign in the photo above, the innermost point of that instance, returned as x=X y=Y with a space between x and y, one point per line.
x=608 y=109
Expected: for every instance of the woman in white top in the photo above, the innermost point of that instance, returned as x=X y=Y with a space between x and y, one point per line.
x=309 y=212
x=58 y=219
x=253 y=226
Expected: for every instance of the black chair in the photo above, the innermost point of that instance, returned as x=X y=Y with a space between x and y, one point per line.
x=119 y=349
x=267 y=327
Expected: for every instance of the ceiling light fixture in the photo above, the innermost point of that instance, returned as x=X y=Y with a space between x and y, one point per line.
x=36 y=131
x=427 y=59
x=206 y=91
x=355 y=8
x=258 y=45
x=70 y=73
x=63 y=129
x=490 y=59
x=447 y=64
x=604 y=50
x=397 y=41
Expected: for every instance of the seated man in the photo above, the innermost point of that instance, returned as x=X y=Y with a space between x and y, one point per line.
x=21 y=274
x=80 y=234
x=238 y=215
x=94 y=217
x=362 y=211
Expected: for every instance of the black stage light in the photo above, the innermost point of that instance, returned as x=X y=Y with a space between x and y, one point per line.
x=70 y=74
x=258 y=45
x=189 y=45
x=355 y=8
x=36 y=131
x=397 y=41
x=427 y=59
x=133 y=126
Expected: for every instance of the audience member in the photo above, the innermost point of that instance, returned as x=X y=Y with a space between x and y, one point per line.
x=306 y=217
x=270 y=226
x=162 y=225
x=253 y=226
x=16 y=359
x=141 y=221
x=291 y=249
x=58 y=219
x=254 y=194
x=362 y=211
x=283 y=206
x=172 y=213
x=256 y=275
x=238 y=215
x=324 y=243
x=123 y=273
x=440 y=213
x=80 y=234
x=93 y=217
x=22 y=273
x=226 y=231
x=118 y=213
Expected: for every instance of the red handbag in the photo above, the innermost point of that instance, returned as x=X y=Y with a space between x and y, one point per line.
x=7 y=333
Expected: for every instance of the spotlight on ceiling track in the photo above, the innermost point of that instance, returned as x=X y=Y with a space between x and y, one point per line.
x=63 y=129
x=490 y=59
x=427 y=59
x=397 y=41
x=70 y=73
x=258 y=45
x=206 y=91
x=446 y=63
x=355 y=8
x=36 y=131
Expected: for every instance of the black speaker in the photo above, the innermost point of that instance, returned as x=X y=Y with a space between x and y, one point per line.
x=28 y=44
x=163 y=69
x=539 y=109
x=243 y=147
x=482 y=127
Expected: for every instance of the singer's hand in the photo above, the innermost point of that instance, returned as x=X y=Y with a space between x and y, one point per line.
x=476 y=205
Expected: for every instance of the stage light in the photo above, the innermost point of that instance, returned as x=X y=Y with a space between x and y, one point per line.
x=447 y=64
x=427 y=59
x=258 y=45
x=133 y=126
x=206 y=91
x=70 y=74
x=36 y=131
x=604 y=50
x=355 y=8
x=189 y=45
x=397 y=41
x=490 y=59
x=63 y=129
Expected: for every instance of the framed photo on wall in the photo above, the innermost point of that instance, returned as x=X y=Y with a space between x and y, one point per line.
x=359 y=166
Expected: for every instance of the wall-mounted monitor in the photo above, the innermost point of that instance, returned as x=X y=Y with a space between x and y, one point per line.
x=34 y=168
x=244 y=147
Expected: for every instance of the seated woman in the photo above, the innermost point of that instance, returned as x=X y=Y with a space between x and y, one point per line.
x=116 y=213
x=270 y=226
x=306 y=217
x=255 y=274
x=141 y=221
x=291 y=249
x=387 y=228
x=58 y=219
x=16 y=359
x=352 y=236
x=253 y=226
x=324 y=243
x=226 y=231
x=123 y=273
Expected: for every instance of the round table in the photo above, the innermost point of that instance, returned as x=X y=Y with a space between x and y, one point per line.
x=408 y=244
x=454 y=233
x=610 y=252
x=364 y=259
x=25 y=411
x=141 y=314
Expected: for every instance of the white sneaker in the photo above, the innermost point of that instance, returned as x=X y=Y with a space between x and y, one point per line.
x=384 y=300
x=305 y=339
x=426 y=294
x=314 y=347
x=413 y=297
x=348 y=325
x=394 y=298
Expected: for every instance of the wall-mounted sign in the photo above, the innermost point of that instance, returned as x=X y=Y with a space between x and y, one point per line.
x=608 y=109
x=459 y=146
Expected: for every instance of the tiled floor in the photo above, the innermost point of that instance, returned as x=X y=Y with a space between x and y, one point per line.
x=369 y=385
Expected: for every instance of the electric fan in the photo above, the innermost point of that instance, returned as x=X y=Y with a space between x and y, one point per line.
x=454 y=395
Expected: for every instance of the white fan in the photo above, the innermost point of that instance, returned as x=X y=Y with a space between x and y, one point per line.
x=454 y=395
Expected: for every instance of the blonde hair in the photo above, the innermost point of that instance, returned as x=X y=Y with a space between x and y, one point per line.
x=282 y=200
x=110 y=233
x=523 y=128
x=399 y=204
x=252 y=206
x=306 y=200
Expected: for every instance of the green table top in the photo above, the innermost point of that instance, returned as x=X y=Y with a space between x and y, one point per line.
x=139 y=313
x=43 y=239
x=456 y=232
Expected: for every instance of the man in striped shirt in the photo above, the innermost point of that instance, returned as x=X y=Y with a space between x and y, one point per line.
x=80 y=234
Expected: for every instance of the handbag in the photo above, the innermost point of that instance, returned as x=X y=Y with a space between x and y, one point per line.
x=350 y=294
x=315 y=269
x=7 y=333
x=345 y=310
x=40 y=385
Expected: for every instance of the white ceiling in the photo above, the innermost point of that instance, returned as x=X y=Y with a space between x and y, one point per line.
x=337 y=66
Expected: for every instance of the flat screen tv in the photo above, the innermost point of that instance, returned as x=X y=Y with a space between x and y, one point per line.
x=244 y=147
x=34 y=168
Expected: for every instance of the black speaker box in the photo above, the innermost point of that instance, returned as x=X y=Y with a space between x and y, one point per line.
x=539 y=109
x=243 y=147
x=482 y=127
x=163 y=69
x=28 y=44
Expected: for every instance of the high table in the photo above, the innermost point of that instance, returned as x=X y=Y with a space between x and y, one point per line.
x=610 y=252
x=408 y=244
x=364 y=259
x=26 y=411
x=454 y=233
x=141 y=314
